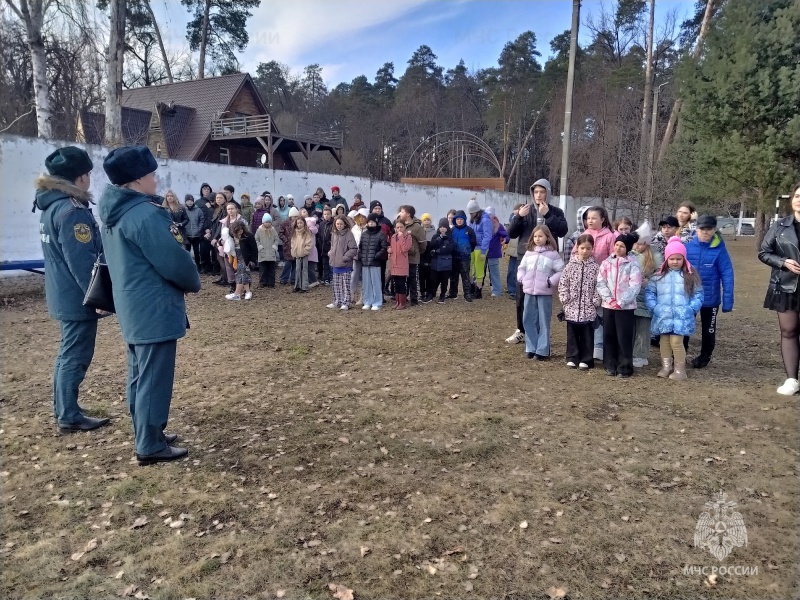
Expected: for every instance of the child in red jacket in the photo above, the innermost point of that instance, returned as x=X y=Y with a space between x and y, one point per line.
x=399 y=246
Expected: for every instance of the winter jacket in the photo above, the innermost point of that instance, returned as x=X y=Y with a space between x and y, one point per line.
x=418 y=241
x=641 y=306
x=249 y=248
x=179 y=217
x=258 y=215
x=285 y=232
x=336 y=200
x=464 y=240
x=441 y=249
x=604 y=240
x=311 y=222
x=267 y=243
x=150 y=271
x=357 y=230
x=673 y=312
x=522 y=227
x=302 y=244
x=713 y=264
x=70 y=245
x=499 y=238
x=247 y=211
x=195 y=222
x=687 y=232
x=324 y=231
x=372 y=249
x=539 y=271
x=577 y=290
x=343 y=249
x=216 y=224
x=399 y=248
x=283 y=212
x=426 y=256
x=619 y=281
x=781 y=243
x=569 y=243
x=482 y=225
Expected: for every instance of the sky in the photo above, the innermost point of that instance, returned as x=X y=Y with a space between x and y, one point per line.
x=356 y=37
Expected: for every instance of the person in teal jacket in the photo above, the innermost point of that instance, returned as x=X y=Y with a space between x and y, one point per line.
x=70 y=245
x=150 y=273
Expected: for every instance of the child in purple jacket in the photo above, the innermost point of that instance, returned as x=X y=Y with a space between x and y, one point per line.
x=495 y=253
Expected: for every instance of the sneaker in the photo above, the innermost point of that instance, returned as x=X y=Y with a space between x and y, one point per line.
x=467 y=298
x=598 y=354
x=376 y=308
x=541 y=357
x=571 y=365
x=496 y=295
x=427 y=299
x=516 y=338
x=331 y=305
x=789 y=388
x=313 y=285
x=344 y=307
x=623 y=375
x=640 y=362
x=583 y=366
x=366 y=307
x=232 y=297
x=441 y=300
x=248 y=295
x=529 y=355
x=611 y=372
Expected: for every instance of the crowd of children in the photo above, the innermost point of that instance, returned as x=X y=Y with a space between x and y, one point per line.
x=621 y=290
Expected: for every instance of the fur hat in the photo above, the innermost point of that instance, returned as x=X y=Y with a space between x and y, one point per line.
x=473 y=206
x=129 y=163
x=294 y=212
x=266 y=218
x=629 y=239
x=68 y=162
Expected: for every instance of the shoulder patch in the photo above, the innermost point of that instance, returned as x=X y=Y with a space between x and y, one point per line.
x=176 y=233
x=83 y=233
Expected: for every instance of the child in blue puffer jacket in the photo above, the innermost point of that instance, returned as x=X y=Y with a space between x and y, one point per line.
x=707 y=252
x=464 y=242
x=674 y=296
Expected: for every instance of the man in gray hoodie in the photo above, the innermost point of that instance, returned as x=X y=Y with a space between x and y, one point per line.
x=538 y=212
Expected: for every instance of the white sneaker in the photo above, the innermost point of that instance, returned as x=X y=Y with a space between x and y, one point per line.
x=516 y=338
x=248 y=295
x=313 y=285
x=571 y=365
x=331 y=305
x=640 y=362
x=366 y=307
x=789 y=388
x=376 y=308
x=583 y=366
x=345 y=307
x=598 y=354
x=232 y=297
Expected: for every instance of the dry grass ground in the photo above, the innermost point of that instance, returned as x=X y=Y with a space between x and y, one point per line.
x=396 y=454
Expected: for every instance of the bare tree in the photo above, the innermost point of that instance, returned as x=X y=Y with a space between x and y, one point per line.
x=31 y=13
x=648 y=87
x=157 y=32
x=204 y=40
x=116 y=55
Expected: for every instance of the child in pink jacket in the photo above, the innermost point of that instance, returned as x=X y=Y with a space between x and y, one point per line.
x=539 y=272
x=399 y=246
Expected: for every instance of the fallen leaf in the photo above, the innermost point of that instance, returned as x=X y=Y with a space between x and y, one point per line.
x=711 y=580
x=140 y=522
x=468 y=586
x=130 y=590
x=119 y=575
x=626 y=518
x=77 y=555
x=620 y=557
x=555 y=540
x=91 y=545
x=340 y=592
x=431 y=569
x=523 y=525
x=280 y=593
x=557 y=592
x=364 y=551
x=226 y=556
x=141 y=595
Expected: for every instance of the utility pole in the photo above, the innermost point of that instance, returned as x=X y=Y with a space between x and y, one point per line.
x=573 y=51
x=652 y=157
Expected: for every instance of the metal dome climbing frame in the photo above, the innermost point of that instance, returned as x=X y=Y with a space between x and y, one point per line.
x=449 y=150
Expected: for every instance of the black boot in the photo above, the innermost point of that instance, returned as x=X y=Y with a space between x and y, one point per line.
x=167 y=454
x=82 y=424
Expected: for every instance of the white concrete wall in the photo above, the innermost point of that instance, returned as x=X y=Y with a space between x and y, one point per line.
x=22 y=159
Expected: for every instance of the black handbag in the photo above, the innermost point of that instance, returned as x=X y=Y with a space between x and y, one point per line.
x=98 y=294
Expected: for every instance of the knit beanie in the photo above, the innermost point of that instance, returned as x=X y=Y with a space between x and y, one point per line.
x=68 y=162
x=294 y=212
x=674 y=246
x=363 y=212
x=489 y=210
x=335 y=188
x=307 y=197
x=425 y=216
x=629 y=239
x=289 y=197
x=375 y=203
x=129 y=163
x=444 y=223
x=266 y=218
x=473 y=206
x=373 y=217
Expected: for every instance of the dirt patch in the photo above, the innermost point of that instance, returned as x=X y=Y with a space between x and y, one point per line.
x=398 y=455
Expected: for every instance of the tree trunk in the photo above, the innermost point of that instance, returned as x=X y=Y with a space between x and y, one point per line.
x=116 y=52
x=31 y=13
x=160 y=41
x=648 y=93
x=760 y=227
x=674 y=115
x=201 y=67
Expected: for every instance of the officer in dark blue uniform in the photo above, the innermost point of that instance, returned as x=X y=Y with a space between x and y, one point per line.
x=70 y=244
x=150 y=273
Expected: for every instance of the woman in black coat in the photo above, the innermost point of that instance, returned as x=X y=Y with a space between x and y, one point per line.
x=781 y=251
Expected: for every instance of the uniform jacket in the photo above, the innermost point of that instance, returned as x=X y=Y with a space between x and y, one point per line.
x=418 y=241
x=267 y=244
x=577 y=290
x=781 y=243
x=619 y=280
x=713 y=264
x=400 y=246
x=539 y=271
x=343 y=249
x=70 y=245
x=372 y=249
x=672 y=310
x=150 y=270
x=247 y=211
x=442 y=248
x=522 y=227
x=195 y=222
x=285 y=235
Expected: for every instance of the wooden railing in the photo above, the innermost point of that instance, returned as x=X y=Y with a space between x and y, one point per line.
x=240 y=127
x=306 y=132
